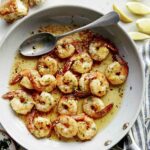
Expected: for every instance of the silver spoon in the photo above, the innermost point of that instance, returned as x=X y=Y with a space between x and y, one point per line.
x=43 y=43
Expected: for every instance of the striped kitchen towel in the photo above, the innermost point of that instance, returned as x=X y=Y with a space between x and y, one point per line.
x=141 y=128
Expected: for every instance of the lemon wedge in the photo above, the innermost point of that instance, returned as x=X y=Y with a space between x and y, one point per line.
x=143 y=25
x=138 y=8
x=138 y=36
x=123 y=16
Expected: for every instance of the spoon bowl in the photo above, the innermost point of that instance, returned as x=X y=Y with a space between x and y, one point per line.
x=38 y=44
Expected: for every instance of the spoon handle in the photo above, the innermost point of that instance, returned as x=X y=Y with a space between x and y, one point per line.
x=106 y=20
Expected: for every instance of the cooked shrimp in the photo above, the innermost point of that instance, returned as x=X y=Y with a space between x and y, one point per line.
x=38 y=125
x=31 y=79
x=47 y=65
x=87 y=128
x=99 y=85
x=84 y=85
x=48 y=82
x=80 y=63
x=44 y=102
x=65 y=126
x=84 y=82
x=28 y=78
x=21 y=102
x=67 y=105
x=95 y=108
x=67 y=82
x=18 y=76
x=98 y=51
x=117 y=72
x=65 y=48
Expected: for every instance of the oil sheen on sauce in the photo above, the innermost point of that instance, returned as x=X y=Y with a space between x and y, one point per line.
x=114 y=94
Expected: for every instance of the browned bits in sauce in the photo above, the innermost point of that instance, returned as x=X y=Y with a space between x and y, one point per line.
x=114 y=94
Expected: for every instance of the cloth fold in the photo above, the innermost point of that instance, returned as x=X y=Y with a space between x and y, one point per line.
x=141 y=128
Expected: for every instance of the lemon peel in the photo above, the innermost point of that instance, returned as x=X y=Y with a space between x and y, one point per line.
x=143 y=25
x=138 y=36
x=138 y=8
x=123 y=17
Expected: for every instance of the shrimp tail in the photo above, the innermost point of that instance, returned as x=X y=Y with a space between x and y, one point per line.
x=16 y=79
x=35 y=84
x=122 y=62
x=79 y=117
x=111 y=47
x=103 y=112
x=30 y=118
x=9 y=95
x=67 y=65
x=81 y=94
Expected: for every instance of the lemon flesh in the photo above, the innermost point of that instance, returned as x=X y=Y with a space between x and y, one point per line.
x=138 y=36
x=138 y=8
x=122 y=15
x=143 y=25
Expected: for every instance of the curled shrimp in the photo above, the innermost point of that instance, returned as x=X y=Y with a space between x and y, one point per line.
x=31 y=79
x=38 y=125
x=65 y=48
x=117 y=72
x=21 y=102
x=48 y=83
x=23 y=75
x=67 y=82
x=44 y=102
x=99 y=85
x=80 y=63
x=95 y=108
x=98 y=51
x=28 y=78
x=47 y=65
x=67 y=105
x=84 y=85
x=87 y=128
x=65 y=126
x=84 y=82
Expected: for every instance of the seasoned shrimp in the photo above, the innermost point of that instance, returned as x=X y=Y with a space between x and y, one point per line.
x=21 y=102
x=98 y=51
x=99 y=85
x=117 y=72
x=65 y=126
x=80 y=63
x=48 y=82
x=31 y=79
x=87 y=128
x=44 y=102
x=47 y=65
x=67 y=82
x=84 y=82
x=95 y=108
x=67 y=105
x=38 y=125
x=65 y=48
x=28 y=78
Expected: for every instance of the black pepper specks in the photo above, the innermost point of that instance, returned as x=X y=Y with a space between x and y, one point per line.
x=130 y=88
